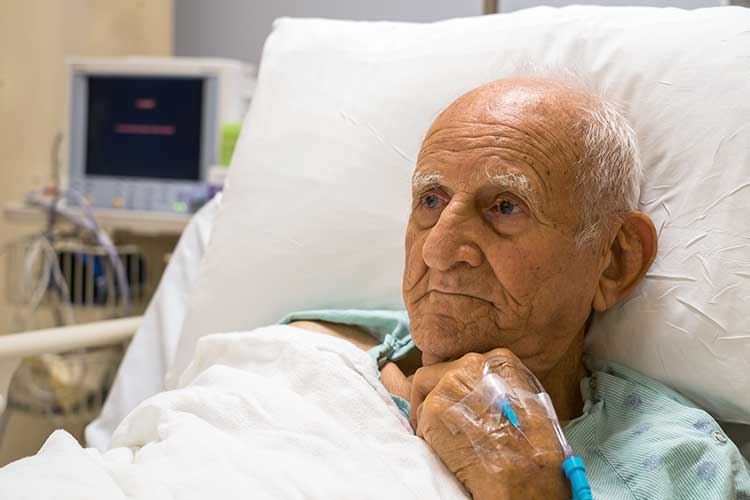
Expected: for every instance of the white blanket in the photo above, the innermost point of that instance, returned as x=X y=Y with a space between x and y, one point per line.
x=277 y=413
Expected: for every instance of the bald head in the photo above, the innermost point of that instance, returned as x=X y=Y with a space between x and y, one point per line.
x=517 y=96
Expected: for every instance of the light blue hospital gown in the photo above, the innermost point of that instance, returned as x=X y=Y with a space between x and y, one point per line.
x=639 y=439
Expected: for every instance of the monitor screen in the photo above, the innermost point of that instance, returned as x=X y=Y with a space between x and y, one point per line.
x=144 y=127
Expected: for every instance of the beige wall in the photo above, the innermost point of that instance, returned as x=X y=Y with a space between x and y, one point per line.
x=35 y=38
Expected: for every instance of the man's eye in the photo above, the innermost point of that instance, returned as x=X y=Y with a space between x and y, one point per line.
x=428 y=207
x=431 y=201
x=506 y=207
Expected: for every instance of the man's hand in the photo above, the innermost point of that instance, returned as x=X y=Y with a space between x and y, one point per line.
x=530 y=470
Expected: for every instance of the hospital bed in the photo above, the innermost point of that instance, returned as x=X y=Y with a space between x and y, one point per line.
x=157 y=334
x=153 y=339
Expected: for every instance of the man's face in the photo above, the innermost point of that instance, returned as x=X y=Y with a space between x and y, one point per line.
x=490 y=255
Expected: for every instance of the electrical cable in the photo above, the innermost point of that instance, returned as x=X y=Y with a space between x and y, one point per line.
x=87 y=221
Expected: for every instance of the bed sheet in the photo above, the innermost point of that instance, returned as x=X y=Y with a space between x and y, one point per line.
x=278 y=412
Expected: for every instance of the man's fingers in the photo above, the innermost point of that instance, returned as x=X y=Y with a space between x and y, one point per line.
x=429 y=410
x=505 y=364
x=466 y=371
x=452 y=387
x=418 y=419
x=425 y=379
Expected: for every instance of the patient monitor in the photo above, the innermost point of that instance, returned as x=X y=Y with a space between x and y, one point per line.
x=142 y=132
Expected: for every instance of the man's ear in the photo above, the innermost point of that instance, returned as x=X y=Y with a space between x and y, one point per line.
x=627 y=259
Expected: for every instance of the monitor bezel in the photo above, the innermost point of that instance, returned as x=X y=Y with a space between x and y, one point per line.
x=77 y=178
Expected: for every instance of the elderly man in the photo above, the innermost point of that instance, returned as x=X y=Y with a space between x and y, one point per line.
x=523 y=224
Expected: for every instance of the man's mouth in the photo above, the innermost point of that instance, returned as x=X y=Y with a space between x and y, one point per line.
x=453 y=293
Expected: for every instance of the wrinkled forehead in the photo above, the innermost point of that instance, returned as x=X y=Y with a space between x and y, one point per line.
x=524 y=129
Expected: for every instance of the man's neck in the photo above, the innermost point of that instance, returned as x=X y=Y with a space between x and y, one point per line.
x=563 y=382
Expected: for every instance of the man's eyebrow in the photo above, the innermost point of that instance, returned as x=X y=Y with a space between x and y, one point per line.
x=422 y=181
x=515 y=182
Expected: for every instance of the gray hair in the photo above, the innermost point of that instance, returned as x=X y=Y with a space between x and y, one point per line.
x=609 y=173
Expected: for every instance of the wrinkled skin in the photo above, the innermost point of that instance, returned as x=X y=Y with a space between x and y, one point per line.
x=479 y=276
x=525 y=469
x=491 y=262
x=492 y=267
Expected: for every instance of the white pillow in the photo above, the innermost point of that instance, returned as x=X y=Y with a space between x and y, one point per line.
x=318 y=195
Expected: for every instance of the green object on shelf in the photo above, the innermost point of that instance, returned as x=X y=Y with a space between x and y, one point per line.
x=180 y=207
x=230 y=132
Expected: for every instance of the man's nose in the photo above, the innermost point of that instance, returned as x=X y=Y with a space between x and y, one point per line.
x=450 y=241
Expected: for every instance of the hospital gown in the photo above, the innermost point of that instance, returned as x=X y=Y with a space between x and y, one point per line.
x=639 y=439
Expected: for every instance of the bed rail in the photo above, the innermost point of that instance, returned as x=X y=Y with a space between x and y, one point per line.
x=16 y=346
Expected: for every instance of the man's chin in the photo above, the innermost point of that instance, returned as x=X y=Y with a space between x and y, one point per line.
x=439 y=338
